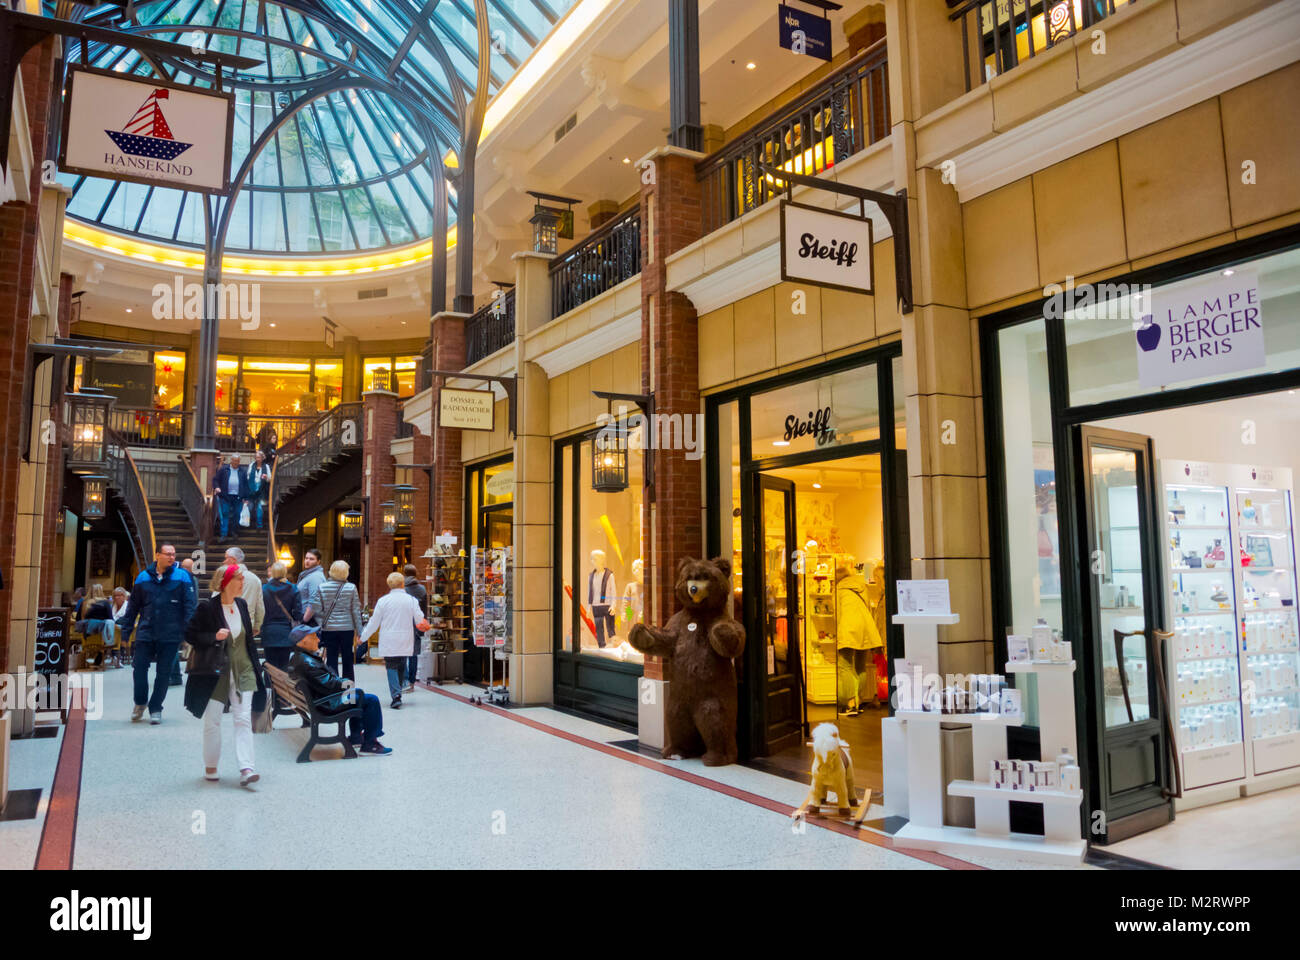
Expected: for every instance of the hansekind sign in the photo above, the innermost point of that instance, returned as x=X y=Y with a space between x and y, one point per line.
x=1201 y=329
x=146 y=131
x=805 y=33
x=467 y=409
x=826 y=247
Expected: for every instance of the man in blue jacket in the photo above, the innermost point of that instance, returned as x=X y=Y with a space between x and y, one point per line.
x=162 y=600
x=231 y=487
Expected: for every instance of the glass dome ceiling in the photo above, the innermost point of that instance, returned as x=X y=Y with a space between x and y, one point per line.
x=388 y=82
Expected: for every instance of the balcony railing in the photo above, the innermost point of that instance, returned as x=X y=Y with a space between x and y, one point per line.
x=124 y=478
x=249 y=431
x=325 y=440
x=841 y=116
x=148 y=427
x=491 y=328
x=603 y=260
x=998 y=35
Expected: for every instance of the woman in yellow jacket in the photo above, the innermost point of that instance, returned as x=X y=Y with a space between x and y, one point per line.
x=856 y=641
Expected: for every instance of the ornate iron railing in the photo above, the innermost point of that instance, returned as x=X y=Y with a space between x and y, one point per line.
x=325 y=440
x=124 y=479
x=841 y=116
x=491 y=328
x=604 y=259
x=247 y=431
x=998 y=35
x=148 y=427
x=196 y=501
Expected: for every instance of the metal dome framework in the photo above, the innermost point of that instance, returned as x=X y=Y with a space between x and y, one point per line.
x=340 y=132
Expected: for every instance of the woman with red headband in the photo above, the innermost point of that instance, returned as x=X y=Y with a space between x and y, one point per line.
x=223 y=672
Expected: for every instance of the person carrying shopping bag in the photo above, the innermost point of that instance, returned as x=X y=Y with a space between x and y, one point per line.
x=397 y=615
x=224 y=675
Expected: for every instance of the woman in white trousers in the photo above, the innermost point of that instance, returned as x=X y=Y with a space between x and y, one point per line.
x=224 y=673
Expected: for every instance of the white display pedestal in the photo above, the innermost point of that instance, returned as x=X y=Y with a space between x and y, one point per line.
x=925 y=830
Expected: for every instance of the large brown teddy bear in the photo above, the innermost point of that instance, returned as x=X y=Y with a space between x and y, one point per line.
x=700 y=640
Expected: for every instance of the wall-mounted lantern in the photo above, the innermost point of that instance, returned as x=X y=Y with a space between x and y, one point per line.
x=388 y=513
x=88 y=418
x=94 y=497
x=351 y=521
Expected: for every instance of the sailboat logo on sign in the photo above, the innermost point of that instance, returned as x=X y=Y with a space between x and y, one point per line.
x=146 y=134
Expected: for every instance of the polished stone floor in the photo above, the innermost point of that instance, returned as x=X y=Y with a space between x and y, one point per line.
x=464 y=787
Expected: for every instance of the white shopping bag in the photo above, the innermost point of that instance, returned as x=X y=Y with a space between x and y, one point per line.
x=244 y=518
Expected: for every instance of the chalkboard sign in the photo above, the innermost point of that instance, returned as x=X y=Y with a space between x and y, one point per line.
x=51 y=641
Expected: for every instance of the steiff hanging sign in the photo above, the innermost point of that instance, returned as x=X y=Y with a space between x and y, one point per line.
x=826 y=247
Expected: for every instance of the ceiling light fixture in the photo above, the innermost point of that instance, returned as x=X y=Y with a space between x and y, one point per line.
x=780 y=443
x=751 y=65
x=627 y=159
x=128 y=309
x=1229 y=272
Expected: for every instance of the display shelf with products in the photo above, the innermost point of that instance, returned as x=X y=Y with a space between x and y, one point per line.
x=1265 y=523
x=491 y=574
x=1053 y=781
x=1203 y=671
x=1233 y=655
x=819 y=622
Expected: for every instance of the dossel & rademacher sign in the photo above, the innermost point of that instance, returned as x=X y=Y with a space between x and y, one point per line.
x=467 y=409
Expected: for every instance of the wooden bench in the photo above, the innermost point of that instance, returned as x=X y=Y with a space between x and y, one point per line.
x=298 y=696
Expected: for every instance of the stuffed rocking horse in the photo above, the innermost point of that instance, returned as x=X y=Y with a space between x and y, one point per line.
x=832 y=771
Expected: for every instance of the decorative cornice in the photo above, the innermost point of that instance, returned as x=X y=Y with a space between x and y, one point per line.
x=1227 y=58
x=595 y=343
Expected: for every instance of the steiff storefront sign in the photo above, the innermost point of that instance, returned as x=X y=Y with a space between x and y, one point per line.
x=825 y=247
x=1202 y=329
x=146 y=131
x=467 y=409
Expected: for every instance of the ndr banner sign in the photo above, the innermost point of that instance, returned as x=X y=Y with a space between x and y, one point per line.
x=1202 y=329
x=467 y=409
x=146 y=131
x=825 y=247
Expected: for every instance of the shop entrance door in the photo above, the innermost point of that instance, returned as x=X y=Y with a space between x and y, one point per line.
x=774 y=608
x=1122 y=603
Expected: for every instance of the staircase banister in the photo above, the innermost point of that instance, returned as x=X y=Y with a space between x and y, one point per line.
x=147 y=547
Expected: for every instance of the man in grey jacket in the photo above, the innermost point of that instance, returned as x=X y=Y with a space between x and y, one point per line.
x=312 y=576
x=252 y=592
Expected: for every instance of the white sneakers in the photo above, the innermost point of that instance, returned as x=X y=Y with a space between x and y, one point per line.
x=247 y=776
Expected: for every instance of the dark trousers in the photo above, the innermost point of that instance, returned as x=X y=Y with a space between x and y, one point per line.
x=339 y=643
x=371 y=725
x=164 y=655
x=413 y=662
x=278 y=657
x=396 y=675
x=229 y=515
x=605 y=622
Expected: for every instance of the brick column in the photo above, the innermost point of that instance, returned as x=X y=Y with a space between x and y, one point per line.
x=52 y=521
x=670 y=218
x=22 y=485
x=422 y=522
x=670 y=214
x=448 y=334
x=379 y=415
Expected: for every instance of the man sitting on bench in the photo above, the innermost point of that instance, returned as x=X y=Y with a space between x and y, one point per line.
x=332 y=694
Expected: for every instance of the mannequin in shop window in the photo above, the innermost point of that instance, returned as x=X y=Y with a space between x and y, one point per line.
x=857 y=641
x=601 y=594
x=633 y=599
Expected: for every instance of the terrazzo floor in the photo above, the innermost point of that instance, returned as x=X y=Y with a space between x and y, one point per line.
x=464 y=787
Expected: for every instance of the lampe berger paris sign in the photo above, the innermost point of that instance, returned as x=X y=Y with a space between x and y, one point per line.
x=826 y=248
x=1206 y=328
x=146 y=131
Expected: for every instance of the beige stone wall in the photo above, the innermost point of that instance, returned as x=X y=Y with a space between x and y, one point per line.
x=1164 y=191
x=479 y=444
x=572 y=406
x=761 y=335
